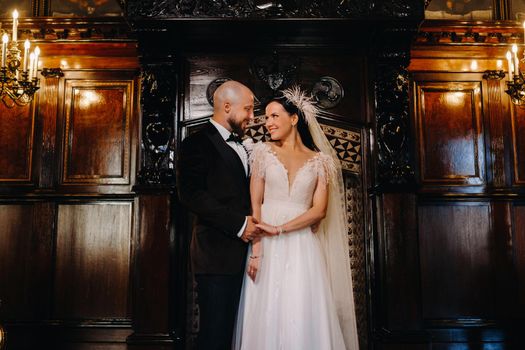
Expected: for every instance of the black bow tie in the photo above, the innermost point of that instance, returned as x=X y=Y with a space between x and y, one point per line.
x=234 y=137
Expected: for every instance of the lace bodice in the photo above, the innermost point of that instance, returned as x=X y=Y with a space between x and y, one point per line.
x=265 y=163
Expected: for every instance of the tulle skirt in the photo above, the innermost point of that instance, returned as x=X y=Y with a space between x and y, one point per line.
x=289 y=306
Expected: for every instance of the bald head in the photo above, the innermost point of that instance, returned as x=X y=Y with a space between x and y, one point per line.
x=231 y=91
x=233 y=106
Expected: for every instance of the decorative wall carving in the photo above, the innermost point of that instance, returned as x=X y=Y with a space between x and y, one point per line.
x=392 y=125
x=158 y=115
x=274 y=9
x=277 y=71
x=328 y=92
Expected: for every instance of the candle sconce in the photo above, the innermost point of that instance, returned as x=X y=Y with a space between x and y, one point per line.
x=18 y=74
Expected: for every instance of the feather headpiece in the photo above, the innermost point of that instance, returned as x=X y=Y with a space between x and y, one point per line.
x=302 y=101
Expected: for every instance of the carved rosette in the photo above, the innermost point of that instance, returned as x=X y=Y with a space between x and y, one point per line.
x=158 y=116
x=392 y=125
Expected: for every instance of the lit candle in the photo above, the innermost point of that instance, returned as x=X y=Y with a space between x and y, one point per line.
x=5 y=40
x=509 y=61
x=516 y=61
x=15 y=25
x=31 y=64
x=27 y=44
x=37 y=53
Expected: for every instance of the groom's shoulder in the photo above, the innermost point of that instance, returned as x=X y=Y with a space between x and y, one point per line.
x=198 y=137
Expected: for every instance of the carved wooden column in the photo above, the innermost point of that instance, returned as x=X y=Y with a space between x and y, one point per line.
x=394 y=294
x=153 y=282
x=499 y=124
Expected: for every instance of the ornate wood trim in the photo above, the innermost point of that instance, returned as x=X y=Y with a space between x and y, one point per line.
x=274 y=9
x=158 y=102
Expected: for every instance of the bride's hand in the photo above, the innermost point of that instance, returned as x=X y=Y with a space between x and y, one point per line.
x=268 y=229
x=253 y=266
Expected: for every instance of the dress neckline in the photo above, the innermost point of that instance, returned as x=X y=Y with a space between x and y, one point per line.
x=291 y=182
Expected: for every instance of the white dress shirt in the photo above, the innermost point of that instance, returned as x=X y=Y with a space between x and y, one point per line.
x=241 y=152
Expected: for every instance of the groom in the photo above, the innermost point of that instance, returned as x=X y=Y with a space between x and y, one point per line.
x=213 y=184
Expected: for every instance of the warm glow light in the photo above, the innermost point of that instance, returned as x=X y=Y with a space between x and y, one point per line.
x=15 y=14
x=88 y=98
x=509 y=55
x=514 y=48
x=27 y=44
x=499 y=64
x=455 y=98
x=474 y=65
x=5 y=38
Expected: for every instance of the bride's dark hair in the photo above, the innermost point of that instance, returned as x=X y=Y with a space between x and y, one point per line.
x=302 y=127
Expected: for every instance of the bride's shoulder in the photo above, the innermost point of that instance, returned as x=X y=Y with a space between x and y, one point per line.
x=327 y=167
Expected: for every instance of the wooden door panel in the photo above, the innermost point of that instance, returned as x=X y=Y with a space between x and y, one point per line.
x=26 y=239
x=16 y=143
x=93 y=260
x=450 y=133
x=97 y=132
x=466 y=259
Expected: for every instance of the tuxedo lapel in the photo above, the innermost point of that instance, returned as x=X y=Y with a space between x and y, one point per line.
x=229 y=155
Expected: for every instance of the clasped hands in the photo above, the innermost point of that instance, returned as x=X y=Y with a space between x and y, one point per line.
x=254 y=230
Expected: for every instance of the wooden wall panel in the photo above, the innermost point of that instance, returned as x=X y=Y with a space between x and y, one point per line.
x=93 y=248
x=461 y=254
x=449 y=133
x=25 y=259
x=401 y=297
x=97 y=132
x=518 y=139
x=519 y=256
x=16 y=143
x=348 y=70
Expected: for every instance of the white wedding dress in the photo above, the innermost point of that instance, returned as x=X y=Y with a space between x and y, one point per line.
x=290 y=304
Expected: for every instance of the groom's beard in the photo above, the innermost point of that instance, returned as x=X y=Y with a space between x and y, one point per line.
x=236 y=126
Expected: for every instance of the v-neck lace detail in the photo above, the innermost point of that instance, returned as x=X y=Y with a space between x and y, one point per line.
x=291 y=181
x=265 y=163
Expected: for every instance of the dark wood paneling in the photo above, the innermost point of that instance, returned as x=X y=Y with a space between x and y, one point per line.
x=16 y=143
x=449 y=133
x=461 y=252
x=400 y=260
x=93 y=248
x=519 y=256
x=348 y=70
x=97 y=132
x=25 y=260
x=518 y=138
x=152 y=269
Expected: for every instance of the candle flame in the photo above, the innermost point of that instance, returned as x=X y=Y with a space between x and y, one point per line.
x=509 y=55
x=37 y=51
x=27 y=44
x=5 y=38
x=514 y=48
x=15 y=14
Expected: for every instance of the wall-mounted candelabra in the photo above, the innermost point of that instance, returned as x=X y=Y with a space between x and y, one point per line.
x=18 y=73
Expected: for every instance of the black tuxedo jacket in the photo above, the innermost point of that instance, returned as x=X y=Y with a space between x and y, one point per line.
x=213 y=185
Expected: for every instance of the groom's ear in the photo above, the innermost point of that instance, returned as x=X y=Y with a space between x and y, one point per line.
x=227 y=107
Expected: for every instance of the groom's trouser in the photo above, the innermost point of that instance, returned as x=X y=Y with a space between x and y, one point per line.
x=218 y=299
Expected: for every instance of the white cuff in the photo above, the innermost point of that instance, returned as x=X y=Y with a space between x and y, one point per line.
x=241 y=231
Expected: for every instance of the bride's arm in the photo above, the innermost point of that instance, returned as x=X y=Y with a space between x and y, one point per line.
x=257 y=196
x=312 y=216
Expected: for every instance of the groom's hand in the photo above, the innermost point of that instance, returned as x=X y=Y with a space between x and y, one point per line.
x=250 y=231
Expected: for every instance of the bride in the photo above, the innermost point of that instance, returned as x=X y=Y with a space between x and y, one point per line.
x=297 y=294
